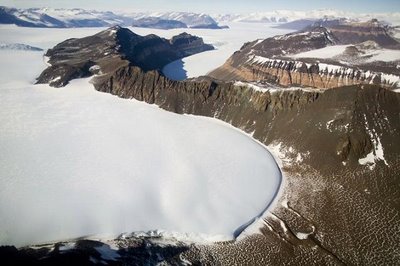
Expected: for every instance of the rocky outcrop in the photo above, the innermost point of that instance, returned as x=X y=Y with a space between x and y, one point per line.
x=188 y=45
x=112 y=48
x=358 y=32
x=301 y=24
x=158 y=23
x=291 y=43
x=348 y=31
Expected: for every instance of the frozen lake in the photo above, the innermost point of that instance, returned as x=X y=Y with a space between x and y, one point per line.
x=74 y=161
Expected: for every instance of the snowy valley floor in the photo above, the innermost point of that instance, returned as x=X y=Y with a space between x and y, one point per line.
x=76 y=162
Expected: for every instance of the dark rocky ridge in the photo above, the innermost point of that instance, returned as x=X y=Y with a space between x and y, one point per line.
x=302 y=24
x=348 y=31
x=332 y=209
x=353 y=33
x=158 y=23
x=112 y=48
x=166 y=24
x=318 y=37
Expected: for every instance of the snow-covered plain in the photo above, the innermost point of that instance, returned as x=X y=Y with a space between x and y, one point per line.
x=74 y=161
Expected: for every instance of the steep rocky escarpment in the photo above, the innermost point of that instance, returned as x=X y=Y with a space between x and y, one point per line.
x=339 y=135
x=289 y=72
x=107 y=50
x=330 y=62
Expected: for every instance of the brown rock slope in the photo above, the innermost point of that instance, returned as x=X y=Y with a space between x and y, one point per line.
x=273 y=59
x=358 y=32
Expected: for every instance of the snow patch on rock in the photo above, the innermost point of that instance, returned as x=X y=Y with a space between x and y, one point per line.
x=377 y=153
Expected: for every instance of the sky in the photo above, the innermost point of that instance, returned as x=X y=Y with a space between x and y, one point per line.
x=214 y=6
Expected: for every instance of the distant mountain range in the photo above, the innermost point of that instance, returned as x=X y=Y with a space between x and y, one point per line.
x=191 y=20
x=70 y=18
x=283 y=16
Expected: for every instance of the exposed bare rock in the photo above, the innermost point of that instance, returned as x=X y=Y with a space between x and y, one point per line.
x=348 y=31
x=276 y=59
x=158 y=23
x=112 y=48
x=357 y=32
x=289 y=72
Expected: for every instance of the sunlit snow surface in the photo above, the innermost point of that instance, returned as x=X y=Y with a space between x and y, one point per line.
x=74 y=161
x=226 y=42
x=385 y=55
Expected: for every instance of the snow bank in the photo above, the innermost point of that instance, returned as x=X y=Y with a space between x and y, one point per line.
x=385 y=55
x=377 y=153
x=323 y=53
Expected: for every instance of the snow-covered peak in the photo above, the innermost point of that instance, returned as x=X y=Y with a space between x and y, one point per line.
x=18 y=46
x=189 y=18
x=319 y=32
x=291 y=15
x=76 y=17
x=61 y=18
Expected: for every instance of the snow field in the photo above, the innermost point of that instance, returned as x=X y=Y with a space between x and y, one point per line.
x=74 y=161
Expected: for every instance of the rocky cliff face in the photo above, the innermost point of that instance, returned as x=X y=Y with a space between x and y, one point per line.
x=338 y=137
x=277 y=59
x=291 y=72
